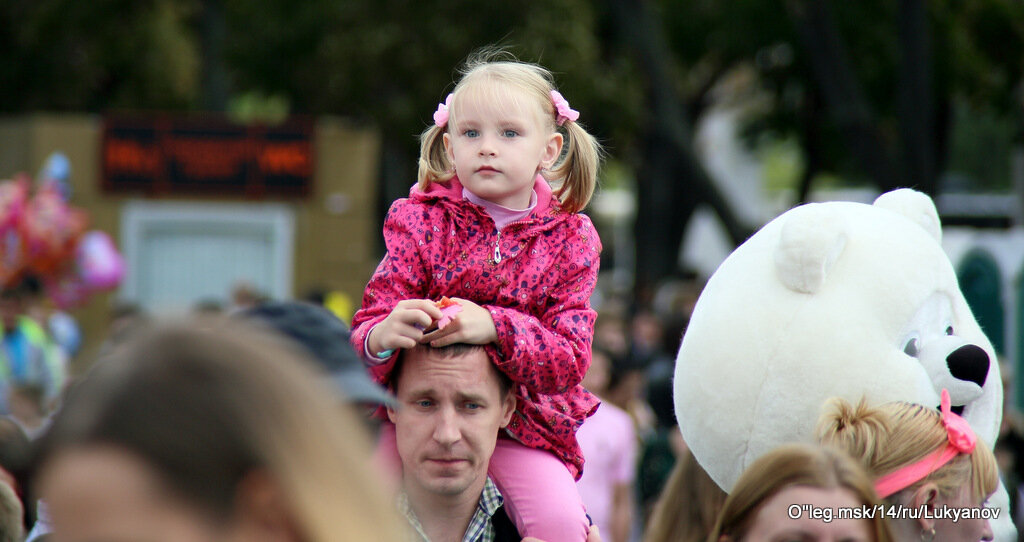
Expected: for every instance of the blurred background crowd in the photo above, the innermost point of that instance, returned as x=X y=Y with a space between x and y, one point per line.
x=239 y=151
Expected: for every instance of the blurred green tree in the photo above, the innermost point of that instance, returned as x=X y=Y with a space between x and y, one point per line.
x=871 y=91
x=389 y=62
x=64 y=55
x=868 y=89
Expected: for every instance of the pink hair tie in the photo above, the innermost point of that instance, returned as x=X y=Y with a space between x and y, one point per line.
x=443 y=112
x=562 y=108
x=961 y=440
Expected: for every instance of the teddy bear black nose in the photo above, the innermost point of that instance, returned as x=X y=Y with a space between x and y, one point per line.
x=969 y=362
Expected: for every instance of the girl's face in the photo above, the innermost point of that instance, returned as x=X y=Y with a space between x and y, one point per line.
x=498 y=148
x=808 y=514
x=968 y=529
x=105 y=493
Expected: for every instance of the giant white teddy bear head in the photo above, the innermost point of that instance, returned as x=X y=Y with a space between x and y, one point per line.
x=829 y=299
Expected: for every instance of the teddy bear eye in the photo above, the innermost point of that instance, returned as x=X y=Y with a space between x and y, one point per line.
x=949 y=330
x=912 y=348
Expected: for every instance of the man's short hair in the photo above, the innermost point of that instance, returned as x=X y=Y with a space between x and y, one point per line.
x=447 y=352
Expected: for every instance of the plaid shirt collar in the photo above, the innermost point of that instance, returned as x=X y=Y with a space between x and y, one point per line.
x=480 y=528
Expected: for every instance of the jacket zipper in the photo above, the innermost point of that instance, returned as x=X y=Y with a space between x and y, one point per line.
x=496 y=259
x=497 y=249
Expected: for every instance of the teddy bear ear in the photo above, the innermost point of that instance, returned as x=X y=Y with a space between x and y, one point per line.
x=810 y=242
x=916 y=206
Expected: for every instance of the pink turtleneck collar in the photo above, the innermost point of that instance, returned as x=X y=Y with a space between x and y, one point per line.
x=502 y=216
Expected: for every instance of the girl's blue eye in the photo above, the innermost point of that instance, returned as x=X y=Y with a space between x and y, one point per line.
x=471 y=133
x=510 y=133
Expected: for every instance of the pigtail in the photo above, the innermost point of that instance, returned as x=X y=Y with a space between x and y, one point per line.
x=434 y=165
x=578 y=169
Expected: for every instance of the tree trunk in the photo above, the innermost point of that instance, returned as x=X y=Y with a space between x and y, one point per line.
x=671 y=181
x=811 y=143
x=396 y=176
x=214 y=74
x=841 y=91
x=915 y=97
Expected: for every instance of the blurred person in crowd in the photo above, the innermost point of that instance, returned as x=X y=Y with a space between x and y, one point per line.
x=626 y=389
x=208 y=307
x=28 y=408
x=687 y=507
x=15 y=466
x=126 y=319
x=647 y=333
x=325 y=338
x=11 y=513
x=61 y=326
x=208 y=431
x=1009 y=448
x=27 y=353
x=317 y=331
x=761 y=505
x=609 y=443
x=336 y=301
x=610 y=334
x=244 y=295
x=663 y=447
x=920 y=458
x=675 y=298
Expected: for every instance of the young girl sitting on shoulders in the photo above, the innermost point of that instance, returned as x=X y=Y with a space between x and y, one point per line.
x=484 y=227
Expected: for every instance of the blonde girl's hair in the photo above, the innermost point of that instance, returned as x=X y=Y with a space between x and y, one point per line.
x=894 y=435
x=688 y=505
x=575 y=171
x=11 y=515
x=207 y=403
x=795 y=465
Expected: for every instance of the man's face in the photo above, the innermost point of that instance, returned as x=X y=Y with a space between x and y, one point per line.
x=448 y=423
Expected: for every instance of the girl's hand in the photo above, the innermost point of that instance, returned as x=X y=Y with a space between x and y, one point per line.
x=403 y=328
x=472 y=325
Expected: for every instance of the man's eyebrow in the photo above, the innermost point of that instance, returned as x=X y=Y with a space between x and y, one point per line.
x=420 y=392
x=472 y=397
x=461 y=396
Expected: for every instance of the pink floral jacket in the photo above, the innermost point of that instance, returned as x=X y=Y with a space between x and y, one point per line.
x=535 y=277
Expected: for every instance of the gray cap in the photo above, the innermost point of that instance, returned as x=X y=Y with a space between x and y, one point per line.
x=326 y=338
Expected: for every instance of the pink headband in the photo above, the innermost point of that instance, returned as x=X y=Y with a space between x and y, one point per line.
x=961 y=440
x=562 y=110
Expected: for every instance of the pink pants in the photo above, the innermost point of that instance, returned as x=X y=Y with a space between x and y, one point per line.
x=540 y=495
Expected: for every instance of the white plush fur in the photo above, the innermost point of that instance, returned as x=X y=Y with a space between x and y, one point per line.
x=821 y=302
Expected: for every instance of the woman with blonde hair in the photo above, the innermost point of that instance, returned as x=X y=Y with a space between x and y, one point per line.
x=688 y=505
x=210 y=431
x=924 y=462
x=801 y=492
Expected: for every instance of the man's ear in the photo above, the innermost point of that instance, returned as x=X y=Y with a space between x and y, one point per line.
x=391 y=414
x=508 y=406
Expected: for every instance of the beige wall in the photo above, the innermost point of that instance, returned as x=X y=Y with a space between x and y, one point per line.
x=335 y=228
